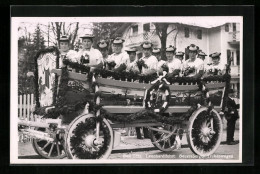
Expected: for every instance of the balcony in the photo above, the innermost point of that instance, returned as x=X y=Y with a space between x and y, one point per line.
x=137 y=40
x=234 y=37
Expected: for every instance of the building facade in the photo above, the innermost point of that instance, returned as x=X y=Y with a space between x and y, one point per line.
x=224 y=38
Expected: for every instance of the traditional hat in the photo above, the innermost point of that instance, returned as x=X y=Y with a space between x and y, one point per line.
x=147 y=45
x=171 y=49
x=215 y=55
x=156 y=50
x=193 y=47
x=179 y=53
x=131 y=50
x=118 y=40
x=64 y=38
x=102 y=44
x=202 y=54
x=87 y=36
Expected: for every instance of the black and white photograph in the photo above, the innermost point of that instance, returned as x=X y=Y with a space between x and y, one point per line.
x=123 y=90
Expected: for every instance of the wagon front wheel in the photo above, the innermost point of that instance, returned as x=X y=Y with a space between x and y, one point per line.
x=82 y=141
x=47 y=149
x=204 y=132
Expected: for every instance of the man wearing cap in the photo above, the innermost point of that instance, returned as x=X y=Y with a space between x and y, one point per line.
x=103 y=48
x=173 y=63
x=118 y=57
x=65 y=52
x=179 y=55
x=202 y=55
x=215 y=68
x=88 y=55
x=231 y=115
x=149 y=60
x=157 y=53
x=193 y=66
x=131 y=63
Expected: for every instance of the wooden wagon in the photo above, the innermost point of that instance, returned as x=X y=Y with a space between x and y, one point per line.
x=77 y=117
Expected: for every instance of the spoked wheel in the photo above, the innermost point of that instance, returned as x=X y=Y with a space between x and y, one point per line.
x=49 y=150
x=165 y=141
x=82 y=142
x=204 y=132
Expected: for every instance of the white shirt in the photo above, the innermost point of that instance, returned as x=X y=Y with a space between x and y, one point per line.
x=118 y=58
x=198 y=64
x=71 y=55
x=174 y=64
x=160 y=64
x=212 y=67
x=131 y=66
x=95 y=56
x=151 y=63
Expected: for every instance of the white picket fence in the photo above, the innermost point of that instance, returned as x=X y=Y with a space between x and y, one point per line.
x=26 y=106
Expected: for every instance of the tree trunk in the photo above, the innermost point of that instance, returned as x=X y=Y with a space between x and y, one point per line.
x=163 y=40
x=74 y=36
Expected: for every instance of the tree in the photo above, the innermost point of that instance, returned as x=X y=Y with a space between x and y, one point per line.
x=105 y=30
x=26 y=61
x=161 y=31
x=61 y=28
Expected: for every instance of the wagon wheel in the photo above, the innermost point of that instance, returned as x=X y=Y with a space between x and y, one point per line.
x=165 y=141
x=81 y=138
x=204 y=132
x=49 y=150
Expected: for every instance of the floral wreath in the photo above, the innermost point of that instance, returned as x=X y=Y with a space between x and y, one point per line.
x=151 y=99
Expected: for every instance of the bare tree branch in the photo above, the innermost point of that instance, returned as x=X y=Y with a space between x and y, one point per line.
x=171 y=31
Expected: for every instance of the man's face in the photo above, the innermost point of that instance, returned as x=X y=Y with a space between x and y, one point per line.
x=64 y=46
x=169 y=56
x=179 y=57
x=192 y=55
x=104 y=52
x=132 y=56
x=86 y=43
x=215 y=61
x=158 y=56
x=201 y=57
x=117 y=48
x=147 y=52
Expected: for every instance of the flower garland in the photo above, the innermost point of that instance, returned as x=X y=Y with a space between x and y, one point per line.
x=81 y=130
x=150 y=99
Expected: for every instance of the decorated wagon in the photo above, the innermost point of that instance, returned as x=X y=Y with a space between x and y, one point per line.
x=78 y=108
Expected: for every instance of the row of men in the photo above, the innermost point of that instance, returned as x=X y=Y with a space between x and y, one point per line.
x=151 y=60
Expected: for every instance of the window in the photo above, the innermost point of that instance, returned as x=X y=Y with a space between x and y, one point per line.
x=186 y=53
x=186 y=32
x=238 y=57
x=227 y=27
x=234 y=27
x=135 y=30
x=199 y=34
x=146 y=27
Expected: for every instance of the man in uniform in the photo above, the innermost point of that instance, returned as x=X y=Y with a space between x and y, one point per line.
x=179 y=55
x=119 y=57
x=173 y=63
x=231 y=115
x=150 y=61
x=103 y=48
x=215 y=68
x=157 y=53
x=88 y=55
x=202 y=55
x=65 y=52
x=193 y=66
x=131 y=63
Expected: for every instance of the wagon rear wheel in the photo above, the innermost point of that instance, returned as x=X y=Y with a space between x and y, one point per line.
x=49 y=150
x=204 y=132
x=165 y=141
x=81 y=139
